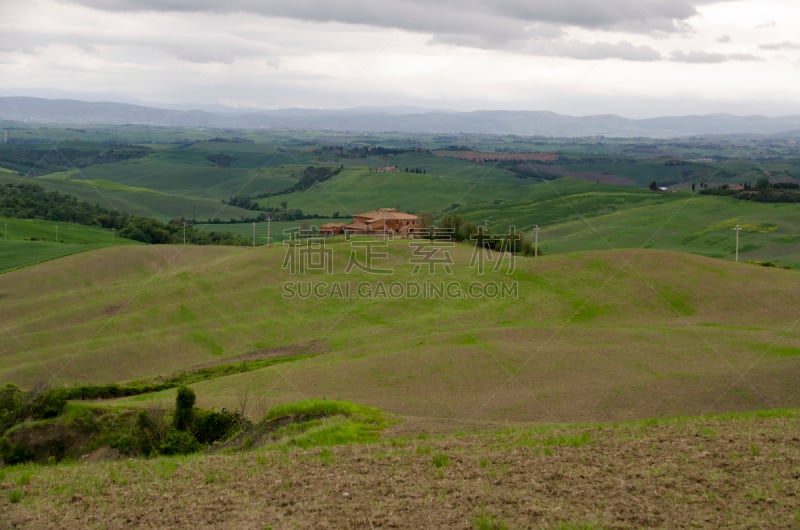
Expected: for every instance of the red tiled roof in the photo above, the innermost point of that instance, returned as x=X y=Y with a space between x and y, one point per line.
x=357 y=226
x=387 y=213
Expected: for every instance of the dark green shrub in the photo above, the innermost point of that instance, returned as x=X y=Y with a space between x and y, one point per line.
x=178 y=443
x=125 y=444
x=184 y=408
x=113 y=390
x=15 y=454
x=148 y=432
x=12 y=408
x=211 y=426
x=47 y=404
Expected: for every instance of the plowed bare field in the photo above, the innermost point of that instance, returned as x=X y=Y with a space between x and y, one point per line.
x=708 y=473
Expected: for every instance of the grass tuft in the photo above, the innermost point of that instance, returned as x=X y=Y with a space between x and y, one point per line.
x=15 y=495
x=440 y=460
x=487 y=521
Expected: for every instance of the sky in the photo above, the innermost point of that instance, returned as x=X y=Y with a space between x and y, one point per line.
x=634 y=58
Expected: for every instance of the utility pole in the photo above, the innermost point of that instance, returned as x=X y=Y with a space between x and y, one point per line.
x=269 y=219
x=254 y=234
x=738 y=229
x=536 y=241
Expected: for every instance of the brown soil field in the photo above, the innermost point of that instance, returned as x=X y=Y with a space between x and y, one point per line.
x=707 y=473
x=476 y=156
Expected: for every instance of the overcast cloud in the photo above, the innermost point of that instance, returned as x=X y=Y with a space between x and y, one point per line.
x=469 y=16
x=629 y=57
x=785 y=45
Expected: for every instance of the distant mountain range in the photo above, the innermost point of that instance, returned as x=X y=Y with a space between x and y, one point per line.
x=393 y=119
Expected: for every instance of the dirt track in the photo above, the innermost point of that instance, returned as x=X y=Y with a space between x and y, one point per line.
x=710 y=474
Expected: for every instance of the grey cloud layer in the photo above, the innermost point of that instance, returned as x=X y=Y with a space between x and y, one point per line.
x=424 y=15
x=785 y=45
x=529 y=26
x=702 y=57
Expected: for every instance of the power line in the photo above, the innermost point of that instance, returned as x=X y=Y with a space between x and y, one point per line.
x=738 y=229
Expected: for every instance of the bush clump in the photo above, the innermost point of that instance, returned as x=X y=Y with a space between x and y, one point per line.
x=48 y=403
x=148 y=432
x=152 y=433
x=12 y=409
x=191 y=428
x=178 y=443
x=13 y=454
x=211 y=426
x=184 y=408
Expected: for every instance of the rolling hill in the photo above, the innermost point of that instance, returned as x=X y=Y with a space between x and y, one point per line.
x=132 y=199
x=670 y=333
x=574 y=213
x=24 y=242
x=607 y=217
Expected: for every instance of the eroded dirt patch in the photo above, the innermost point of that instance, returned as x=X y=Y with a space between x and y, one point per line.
x=314 y=347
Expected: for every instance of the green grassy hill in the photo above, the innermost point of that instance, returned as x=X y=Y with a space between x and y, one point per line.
x=670 y=333
x=24 y=242
x=188 y=172
x=770 y=232
x=522 y=365
x=183 y=182
x=573 y=214
x=193 y=178
x=592 y=217
x=359 y=189
x=134 y=200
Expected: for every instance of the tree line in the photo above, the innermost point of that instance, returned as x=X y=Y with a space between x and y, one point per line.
x=762 y=191
x=312 y=175
x=41 y=158
x=31 y=201
x=453 y=226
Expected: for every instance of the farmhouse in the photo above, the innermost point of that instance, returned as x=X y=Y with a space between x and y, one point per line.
x=380 y=221
x=331 y=229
